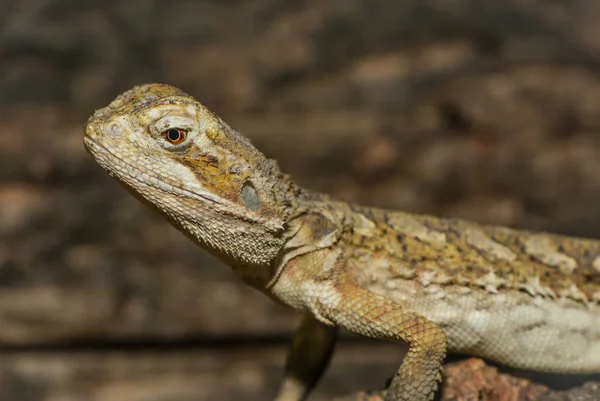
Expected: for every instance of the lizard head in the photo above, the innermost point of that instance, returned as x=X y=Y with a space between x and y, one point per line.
x=184 y=161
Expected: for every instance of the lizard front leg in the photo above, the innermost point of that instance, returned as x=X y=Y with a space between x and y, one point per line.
x=316 y=283
x=308 y=357
x=372 y=315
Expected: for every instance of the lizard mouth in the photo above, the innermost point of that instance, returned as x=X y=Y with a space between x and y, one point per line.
x=126 y=172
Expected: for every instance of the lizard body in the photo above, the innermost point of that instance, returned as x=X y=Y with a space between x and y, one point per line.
x=529 y=300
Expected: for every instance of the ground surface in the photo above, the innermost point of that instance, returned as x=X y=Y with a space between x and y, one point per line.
x=477 y=109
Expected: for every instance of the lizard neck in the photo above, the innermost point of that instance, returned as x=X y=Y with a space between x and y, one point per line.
x=317 y=223
x=309 y=218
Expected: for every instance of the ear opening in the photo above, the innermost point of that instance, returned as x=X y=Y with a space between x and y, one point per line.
x=249 y=196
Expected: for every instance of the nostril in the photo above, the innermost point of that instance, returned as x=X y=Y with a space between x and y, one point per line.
x=116 y=129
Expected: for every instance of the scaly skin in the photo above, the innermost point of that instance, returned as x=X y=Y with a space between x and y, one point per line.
x=529 y=300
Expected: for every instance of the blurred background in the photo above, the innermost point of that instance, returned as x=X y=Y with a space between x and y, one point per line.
x=480 y=109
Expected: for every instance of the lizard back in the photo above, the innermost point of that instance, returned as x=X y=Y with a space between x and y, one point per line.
x=525 y=299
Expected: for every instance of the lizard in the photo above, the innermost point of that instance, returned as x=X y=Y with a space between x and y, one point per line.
x=525 y=299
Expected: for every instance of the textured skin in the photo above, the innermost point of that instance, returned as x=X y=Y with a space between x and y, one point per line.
x=529 y=300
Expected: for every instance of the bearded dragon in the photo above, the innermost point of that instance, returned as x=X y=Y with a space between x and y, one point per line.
x=524 y=299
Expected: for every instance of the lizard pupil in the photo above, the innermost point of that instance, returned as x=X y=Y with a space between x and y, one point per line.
x=174 y=135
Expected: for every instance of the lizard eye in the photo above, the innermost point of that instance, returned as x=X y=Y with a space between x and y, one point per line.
x=175 y=135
